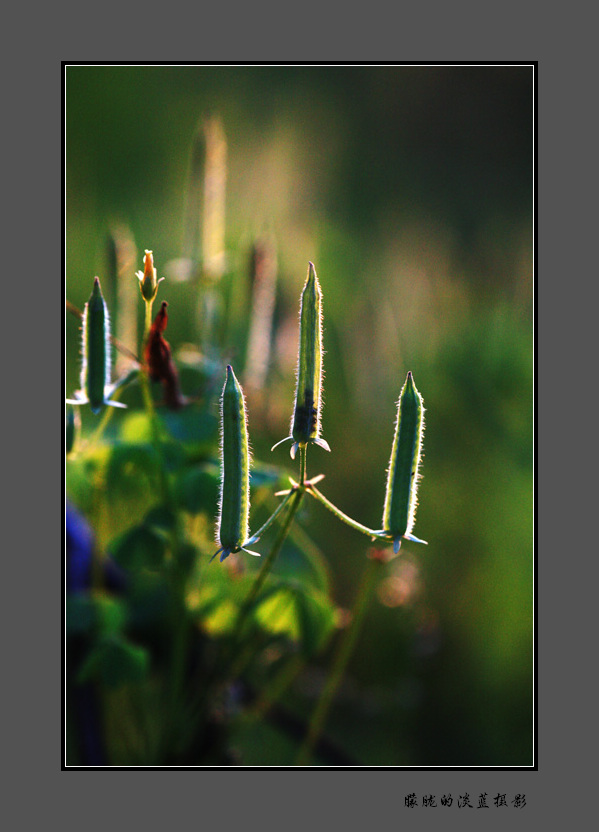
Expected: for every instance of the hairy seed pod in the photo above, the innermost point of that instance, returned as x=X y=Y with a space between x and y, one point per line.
x=305 y=423
x=234 y=504
x=95 y=354
x=403 y=474
x=95 y=369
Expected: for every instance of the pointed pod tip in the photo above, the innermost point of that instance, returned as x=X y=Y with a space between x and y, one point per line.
x=97 y=289
x=311 y=278
x=230 y=378
x=410 y=384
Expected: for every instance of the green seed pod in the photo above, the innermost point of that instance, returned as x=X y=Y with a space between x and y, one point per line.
x=95 y=354
x=95 y=369
x=403 y=475
x=305 y=423
x=234 y=504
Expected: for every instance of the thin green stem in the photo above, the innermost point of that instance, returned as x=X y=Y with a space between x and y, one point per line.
x=145 y=383
x=97 y=434
x=155 y=427
x=318 y=495
x=303 y=454
x=343 y=654
x=235 y=657
x=148 y=319
x=273 y=516
x=177 y=581
x=268 y=563
x=108 y=411
x=294 y=504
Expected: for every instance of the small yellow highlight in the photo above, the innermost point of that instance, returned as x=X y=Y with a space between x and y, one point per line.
x=279 y=615
x=220 y=620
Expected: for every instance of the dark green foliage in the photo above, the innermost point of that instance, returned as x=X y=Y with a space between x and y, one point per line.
x=304 y=616
x=115 y=661
x=142 y=547
x=197 y=489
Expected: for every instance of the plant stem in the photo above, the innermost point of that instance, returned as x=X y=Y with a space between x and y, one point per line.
x=155 y=428
x=145 y=381
x=344 y=651
x=273 y=516
x=343 y=517
x=303 y=454
x=108 y=411
x=148 y=319
x=296 y=498
x=97 y=434
x=176 y=576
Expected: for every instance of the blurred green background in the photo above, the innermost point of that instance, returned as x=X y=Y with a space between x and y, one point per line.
x=411 y=190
